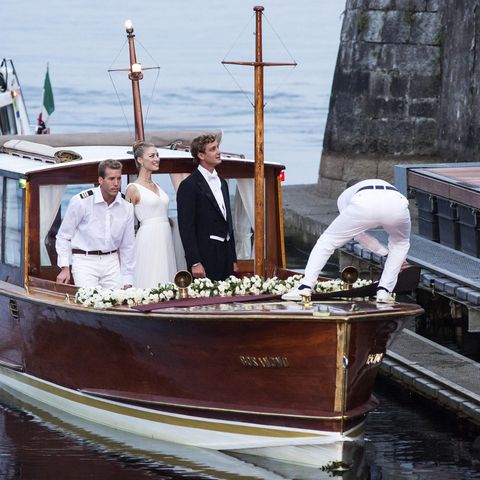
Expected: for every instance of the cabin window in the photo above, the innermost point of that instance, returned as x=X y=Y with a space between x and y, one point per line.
x=8 y=125
x=54 y=201
x=12 y=206
x=50 y=200
x=242 y=205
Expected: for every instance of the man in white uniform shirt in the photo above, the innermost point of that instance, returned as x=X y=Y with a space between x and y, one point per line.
x=97 y=232
x=364 y=205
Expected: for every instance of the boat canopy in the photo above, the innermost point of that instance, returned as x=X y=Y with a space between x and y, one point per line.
x=172 y=138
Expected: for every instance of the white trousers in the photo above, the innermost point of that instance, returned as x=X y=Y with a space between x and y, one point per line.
x=94 y=270
x=367 y=209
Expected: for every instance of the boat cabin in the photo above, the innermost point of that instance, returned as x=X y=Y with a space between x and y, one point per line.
x=39 y=175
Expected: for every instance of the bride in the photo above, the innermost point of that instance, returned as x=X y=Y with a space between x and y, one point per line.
x=154 y=251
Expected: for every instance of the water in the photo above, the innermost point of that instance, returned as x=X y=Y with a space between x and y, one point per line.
x=404 y=440
x=188 y=39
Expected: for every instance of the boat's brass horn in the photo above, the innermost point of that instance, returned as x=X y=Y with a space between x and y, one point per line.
x=349 y=276
x=182 y=280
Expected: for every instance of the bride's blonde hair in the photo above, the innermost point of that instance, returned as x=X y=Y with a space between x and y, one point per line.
x=139 y=150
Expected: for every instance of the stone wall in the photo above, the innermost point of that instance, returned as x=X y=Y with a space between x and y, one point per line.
x=458 y=120
x=393 y=88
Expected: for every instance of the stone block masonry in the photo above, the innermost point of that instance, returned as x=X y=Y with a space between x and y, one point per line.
x=405 y=89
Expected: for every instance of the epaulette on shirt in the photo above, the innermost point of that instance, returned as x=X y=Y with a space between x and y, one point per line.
x=86 y=194
x=123 y=195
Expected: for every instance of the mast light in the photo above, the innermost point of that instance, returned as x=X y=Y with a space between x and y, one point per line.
x=129 y=26
x=136 y=68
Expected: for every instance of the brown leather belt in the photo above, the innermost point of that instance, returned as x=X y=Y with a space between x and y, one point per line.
x=91 y=252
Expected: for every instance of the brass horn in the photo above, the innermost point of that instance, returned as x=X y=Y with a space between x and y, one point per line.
x=182 y=280
x=349 y=276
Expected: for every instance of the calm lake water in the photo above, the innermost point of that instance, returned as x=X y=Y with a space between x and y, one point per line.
x=188 y=40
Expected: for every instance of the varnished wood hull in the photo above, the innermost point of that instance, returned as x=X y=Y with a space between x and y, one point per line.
x=242 y=377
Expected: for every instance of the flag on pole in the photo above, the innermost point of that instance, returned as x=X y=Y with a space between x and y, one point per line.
x=48 y=105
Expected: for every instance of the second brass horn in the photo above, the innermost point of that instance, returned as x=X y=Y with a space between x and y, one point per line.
x=349 y=276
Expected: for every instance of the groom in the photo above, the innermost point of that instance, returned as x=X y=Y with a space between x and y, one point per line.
x=204 y=216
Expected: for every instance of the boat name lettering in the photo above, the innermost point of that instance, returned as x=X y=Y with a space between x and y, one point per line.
x=374 y=358
x=264 y=362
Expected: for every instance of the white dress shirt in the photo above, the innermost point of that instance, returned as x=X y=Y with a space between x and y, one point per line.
x=215 y=185
x=91 y=224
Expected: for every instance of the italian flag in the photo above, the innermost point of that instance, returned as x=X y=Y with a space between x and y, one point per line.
x=48 y=105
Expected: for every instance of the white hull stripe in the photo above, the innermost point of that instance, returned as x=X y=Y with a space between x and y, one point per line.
x=189 y=430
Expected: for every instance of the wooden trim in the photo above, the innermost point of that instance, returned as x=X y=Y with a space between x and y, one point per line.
x=33 y=221
x=340 y=375
x=281 y=230
x=444 y=189
x=272 y=243
x=88 y=172
x=50 y=286
x=4 y=218
x=26 y=243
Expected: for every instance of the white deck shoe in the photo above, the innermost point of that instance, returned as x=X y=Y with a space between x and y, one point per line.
x=384 y=297
x=297 y=294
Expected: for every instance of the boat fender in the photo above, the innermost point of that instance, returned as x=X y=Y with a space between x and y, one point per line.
x=86 y=194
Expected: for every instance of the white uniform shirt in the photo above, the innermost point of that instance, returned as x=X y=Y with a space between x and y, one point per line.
x=91 y=224
x=366 y=240
x=215 y=185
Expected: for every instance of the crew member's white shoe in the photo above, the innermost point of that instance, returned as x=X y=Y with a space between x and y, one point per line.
x=384 y=297
x=298 y=294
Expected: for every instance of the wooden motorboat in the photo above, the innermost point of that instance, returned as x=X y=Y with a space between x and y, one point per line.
x=250 y=374
x=258 y=376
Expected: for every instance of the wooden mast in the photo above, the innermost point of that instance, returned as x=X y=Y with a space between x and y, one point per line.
x=135 y=76
x=259 y=150
x=259 y=141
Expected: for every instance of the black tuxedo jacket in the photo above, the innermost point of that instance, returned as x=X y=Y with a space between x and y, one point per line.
x=200 y=219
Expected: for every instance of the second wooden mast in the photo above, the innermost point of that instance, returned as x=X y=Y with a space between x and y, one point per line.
x=258 y=65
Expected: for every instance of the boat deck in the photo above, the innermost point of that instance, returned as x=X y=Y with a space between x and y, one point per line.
x=326 y=309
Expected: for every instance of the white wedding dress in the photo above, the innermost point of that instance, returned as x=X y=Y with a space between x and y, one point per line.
x=154 y=251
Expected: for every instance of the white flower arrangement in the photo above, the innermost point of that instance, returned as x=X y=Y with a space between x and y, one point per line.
x=99 y=298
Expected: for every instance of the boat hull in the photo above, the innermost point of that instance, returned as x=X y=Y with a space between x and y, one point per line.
x=255 y=378
x=284 y=444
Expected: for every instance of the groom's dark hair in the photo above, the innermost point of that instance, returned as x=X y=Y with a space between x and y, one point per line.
x=198 y=145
